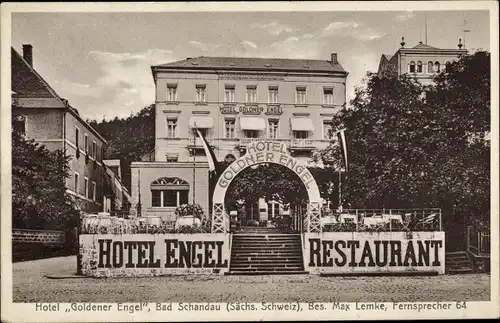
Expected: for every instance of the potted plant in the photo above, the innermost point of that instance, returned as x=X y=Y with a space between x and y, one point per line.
x=188 y=215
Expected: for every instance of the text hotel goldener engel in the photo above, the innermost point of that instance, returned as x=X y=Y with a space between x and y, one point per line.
x=264 y=306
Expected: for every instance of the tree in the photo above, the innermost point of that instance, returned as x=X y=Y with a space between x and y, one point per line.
x=130 y=139
x=415 y=146
x=39 y=198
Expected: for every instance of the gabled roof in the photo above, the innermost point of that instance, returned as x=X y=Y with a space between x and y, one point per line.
x=26 y=82
x=423 y=46
x=244 y=63
x=30 y=90
x=387 y=56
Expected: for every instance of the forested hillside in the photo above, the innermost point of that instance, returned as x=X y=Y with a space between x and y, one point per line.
x=130 y=139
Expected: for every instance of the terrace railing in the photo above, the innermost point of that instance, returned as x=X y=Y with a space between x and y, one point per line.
x=382 y=220
x=478 y=242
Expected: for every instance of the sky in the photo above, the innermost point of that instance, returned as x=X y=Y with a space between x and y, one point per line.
x=101 y=62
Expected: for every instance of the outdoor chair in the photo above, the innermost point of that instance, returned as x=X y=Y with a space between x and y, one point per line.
x=426 y=223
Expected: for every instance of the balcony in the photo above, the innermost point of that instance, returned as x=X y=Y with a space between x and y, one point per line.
x=304 y=144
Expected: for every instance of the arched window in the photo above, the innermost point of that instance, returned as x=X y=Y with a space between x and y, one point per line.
x=419 y=67
x=437 y=67
x=430 y=67
x=412 y=67
x=169 y=192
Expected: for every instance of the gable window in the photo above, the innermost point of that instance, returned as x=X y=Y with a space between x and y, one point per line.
x=171 y=127
x=94 y=150
x=229 y=93
x=328 y=96
x=251 y=94
x=327 y=130
x=437 y=67
x=94 y=191
x=273 y=94
x=430 y=67
x=169 y=192
x=229 y=128
x=201 y=93
x=300 y=95
x=76 y=181
x=419 y=67
x=86 y=143
x=273 y=125
x=171 y=92
x=412 y=67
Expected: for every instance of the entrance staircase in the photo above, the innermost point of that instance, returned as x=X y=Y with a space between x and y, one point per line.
x=458 y=263
x=266 y=251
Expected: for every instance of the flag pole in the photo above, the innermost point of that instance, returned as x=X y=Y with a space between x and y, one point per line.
x=194 y=164
x=340 y=189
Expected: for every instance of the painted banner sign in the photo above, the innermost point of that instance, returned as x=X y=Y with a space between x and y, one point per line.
x=374 y=252
x=108 y=255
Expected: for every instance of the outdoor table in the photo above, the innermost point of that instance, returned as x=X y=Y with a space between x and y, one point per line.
x=373 y=221
x=329 y=219
x=348 y=217
x=389 y=217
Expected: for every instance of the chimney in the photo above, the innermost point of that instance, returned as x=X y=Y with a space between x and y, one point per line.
x=28 y=54
x=334 y=59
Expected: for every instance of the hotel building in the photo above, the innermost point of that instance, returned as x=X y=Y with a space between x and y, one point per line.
x=233 y=102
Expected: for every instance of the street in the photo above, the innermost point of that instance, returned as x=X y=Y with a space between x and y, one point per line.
x=31 y=285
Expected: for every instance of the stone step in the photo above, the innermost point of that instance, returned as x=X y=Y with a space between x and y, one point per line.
x=265 y=258
x=457 y=262
x=464 y=270
x=266 y=266
x=267 y=261
x=266 y=269
x=264 y=272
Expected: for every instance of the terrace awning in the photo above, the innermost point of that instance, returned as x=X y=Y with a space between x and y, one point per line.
x=302 y=124
x=252 y=123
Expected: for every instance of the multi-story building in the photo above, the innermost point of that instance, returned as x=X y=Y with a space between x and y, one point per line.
x=119 y=200
x=233 y=102
x=49 y=119
x=421 y=61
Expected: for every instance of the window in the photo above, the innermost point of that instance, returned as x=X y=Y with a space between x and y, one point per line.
x=273 y=94
x=77 y=137
x=86 y=143
x=172 y=158
x=171 y=92
x=251 y=94
x=203 y=131
x=300 y=134
x=437 y=67
x=94 y=150
x=445 y=67
x=430 y=67
x=229 y=93
x=252 y=133
x=229 y=128
x=328 y=96
x=201 y=93
x=94 y=191
x=76 y=183
x=419 y=67
x=86 y=186
x=273 y=129
x=412 y=67
x=19 y=124
x=169 y=192
x=327 y=130
x=171 y=128
x=300 y=95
